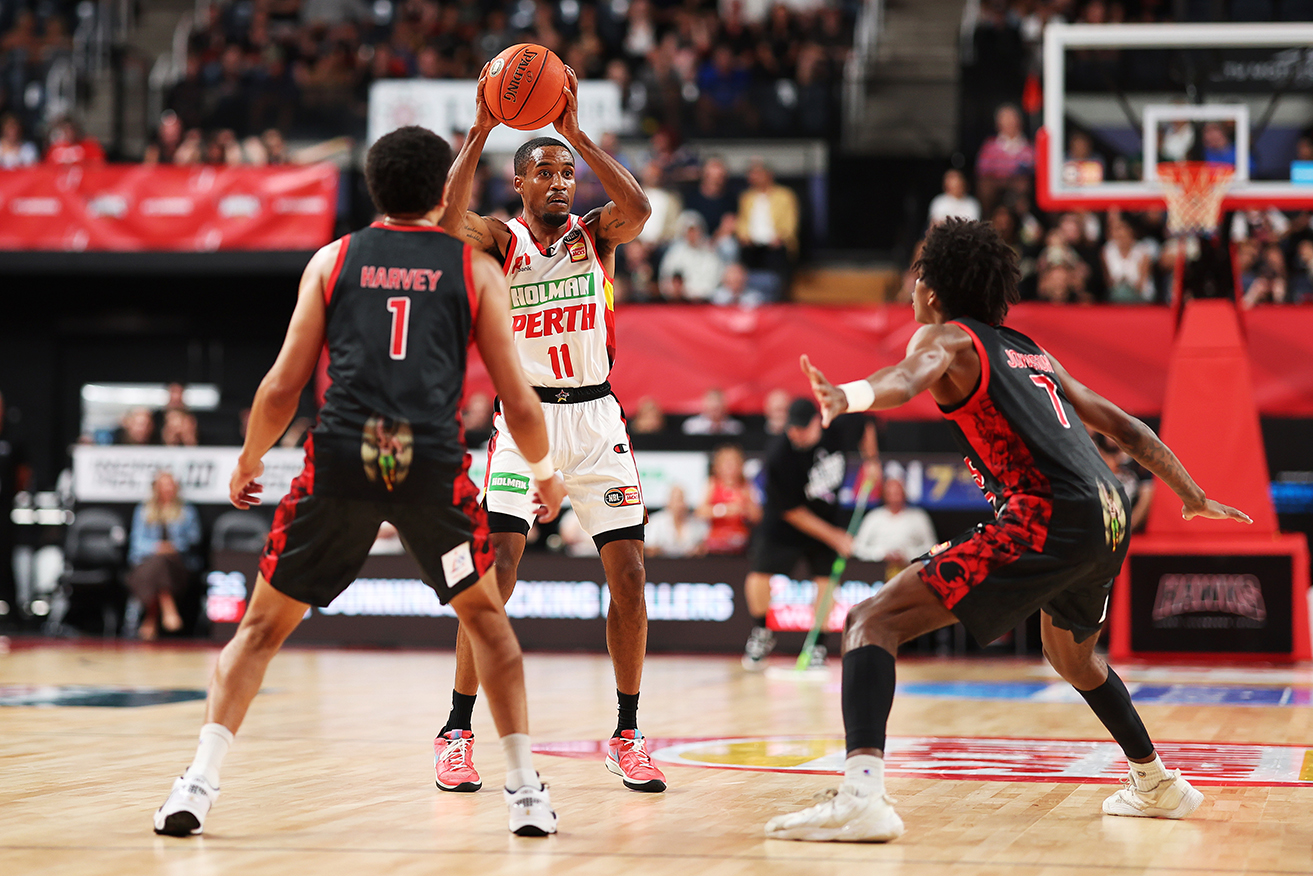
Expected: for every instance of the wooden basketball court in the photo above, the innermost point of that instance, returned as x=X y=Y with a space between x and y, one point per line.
x=332 y=772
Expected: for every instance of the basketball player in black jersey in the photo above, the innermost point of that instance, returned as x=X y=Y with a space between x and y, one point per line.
x=1057 y=541
x=395 y=305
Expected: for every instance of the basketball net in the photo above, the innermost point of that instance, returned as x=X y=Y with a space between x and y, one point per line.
x=1194 y=191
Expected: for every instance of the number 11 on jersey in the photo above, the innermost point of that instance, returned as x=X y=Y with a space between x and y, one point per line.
x=561 y=365
x=400 y=308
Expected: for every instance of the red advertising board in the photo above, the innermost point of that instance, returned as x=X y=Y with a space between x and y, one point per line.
x=137 y=208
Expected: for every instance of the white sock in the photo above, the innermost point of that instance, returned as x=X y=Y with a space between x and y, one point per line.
x=864 y=775
x=1149 y=775
x=215 y=739
x=519 y=762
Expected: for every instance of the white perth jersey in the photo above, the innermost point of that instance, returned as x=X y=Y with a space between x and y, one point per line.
x=562 y=313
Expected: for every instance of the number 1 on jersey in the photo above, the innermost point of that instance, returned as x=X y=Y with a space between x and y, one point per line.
x=400 y=308
x=1052 y=389
x=563 y=362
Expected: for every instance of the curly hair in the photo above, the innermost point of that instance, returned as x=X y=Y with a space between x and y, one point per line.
x=971 y=269
x=406 y=171
x=525 y=152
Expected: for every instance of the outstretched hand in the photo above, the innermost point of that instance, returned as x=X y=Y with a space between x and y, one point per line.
x=567 y=123
x=1215 y=511
x=829 y=398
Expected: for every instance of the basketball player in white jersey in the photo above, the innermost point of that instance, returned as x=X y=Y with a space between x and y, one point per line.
x=559 y=266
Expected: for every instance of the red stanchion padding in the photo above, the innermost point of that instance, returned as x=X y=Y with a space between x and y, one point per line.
x=1211 y=421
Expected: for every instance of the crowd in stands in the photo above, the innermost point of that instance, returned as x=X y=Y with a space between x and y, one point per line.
x=305 y=66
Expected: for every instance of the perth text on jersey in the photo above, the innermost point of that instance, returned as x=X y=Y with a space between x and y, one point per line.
x=555 y=320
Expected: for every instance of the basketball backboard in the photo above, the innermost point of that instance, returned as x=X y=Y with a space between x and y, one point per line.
x=1121 y=98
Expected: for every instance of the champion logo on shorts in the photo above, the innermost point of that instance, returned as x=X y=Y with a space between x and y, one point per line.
x=617 y=496
x=620 y=448
x=508 y=482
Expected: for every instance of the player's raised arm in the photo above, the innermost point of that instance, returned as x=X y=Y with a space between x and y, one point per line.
x=1144 y=446
x=930 y=353
x=624 y=216
x=519 y=403
x=280 y=392
x=484 y=234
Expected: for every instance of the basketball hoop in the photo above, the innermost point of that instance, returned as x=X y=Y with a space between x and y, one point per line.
x=1194 y=191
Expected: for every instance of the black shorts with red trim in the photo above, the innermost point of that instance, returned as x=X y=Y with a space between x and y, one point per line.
x=322 y=534
x=998 y=574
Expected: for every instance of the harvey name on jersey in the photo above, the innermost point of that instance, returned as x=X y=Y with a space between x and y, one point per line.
x=561 y=307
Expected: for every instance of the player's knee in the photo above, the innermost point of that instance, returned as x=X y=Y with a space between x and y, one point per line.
x=627 y=582
x=865 y=624
x=261 y=635
x=1080 y=669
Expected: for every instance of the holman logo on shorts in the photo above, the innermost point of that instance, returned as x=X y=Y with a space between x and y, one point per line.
x=508 y=483
x=533 y=294
x=617 y=496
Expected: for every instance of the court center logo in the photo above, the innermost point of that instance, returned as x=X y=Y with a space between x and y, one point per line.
x=387 y=449
x=1114 y=515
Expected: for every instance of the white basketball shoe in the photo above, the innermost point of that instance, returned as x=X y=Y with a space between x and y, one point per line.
x=183 y=813
x=842 y=817
x=531 y=811
x=1173 y=797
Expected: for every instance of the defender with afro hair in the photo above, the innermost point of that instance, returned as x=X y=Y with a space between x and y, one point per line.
x=971 y=269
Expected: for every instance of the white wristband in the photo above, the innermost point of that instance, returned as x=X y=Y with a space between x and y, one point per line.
x=860 y=395
x=542 y=470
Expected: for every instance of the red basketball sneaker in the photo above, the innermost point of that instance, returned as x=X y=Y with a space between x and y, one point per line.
x=627 y=757
x=453 y=762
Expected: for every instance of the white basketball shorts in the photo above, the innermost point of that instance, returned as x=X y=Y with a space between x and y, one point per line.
x=590 y=448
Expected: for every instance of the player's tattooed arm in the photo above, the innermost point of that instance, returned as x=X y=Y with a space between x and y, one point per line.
x=620 y=220
x=1145 y=447
x=487 y=235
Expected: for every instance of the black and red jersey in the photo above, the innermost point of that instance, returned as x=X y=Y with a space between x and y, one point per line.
x=401 y=306
x=1021 y=436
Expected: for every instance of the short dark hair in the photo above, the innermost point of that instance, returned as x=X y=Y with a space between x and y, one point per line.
x=406 y=171
x=525 y=152
x=971 y=269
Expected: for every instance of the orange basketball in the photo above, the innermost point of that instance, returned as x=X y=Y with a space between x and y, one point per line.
x=525 y=87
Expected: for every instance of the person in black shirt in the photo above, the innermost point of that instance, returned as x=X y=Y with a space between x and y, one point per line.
x=1057 y=541
x=395 y=306
x=805 y=468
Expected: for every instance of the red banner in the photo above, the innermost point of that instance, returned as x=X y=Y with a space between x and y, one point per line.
x=128 y=208
x=676 y=353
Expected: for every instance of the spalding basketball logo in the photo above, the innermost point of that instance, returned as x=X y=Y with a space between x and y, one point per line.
x=497 y=64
